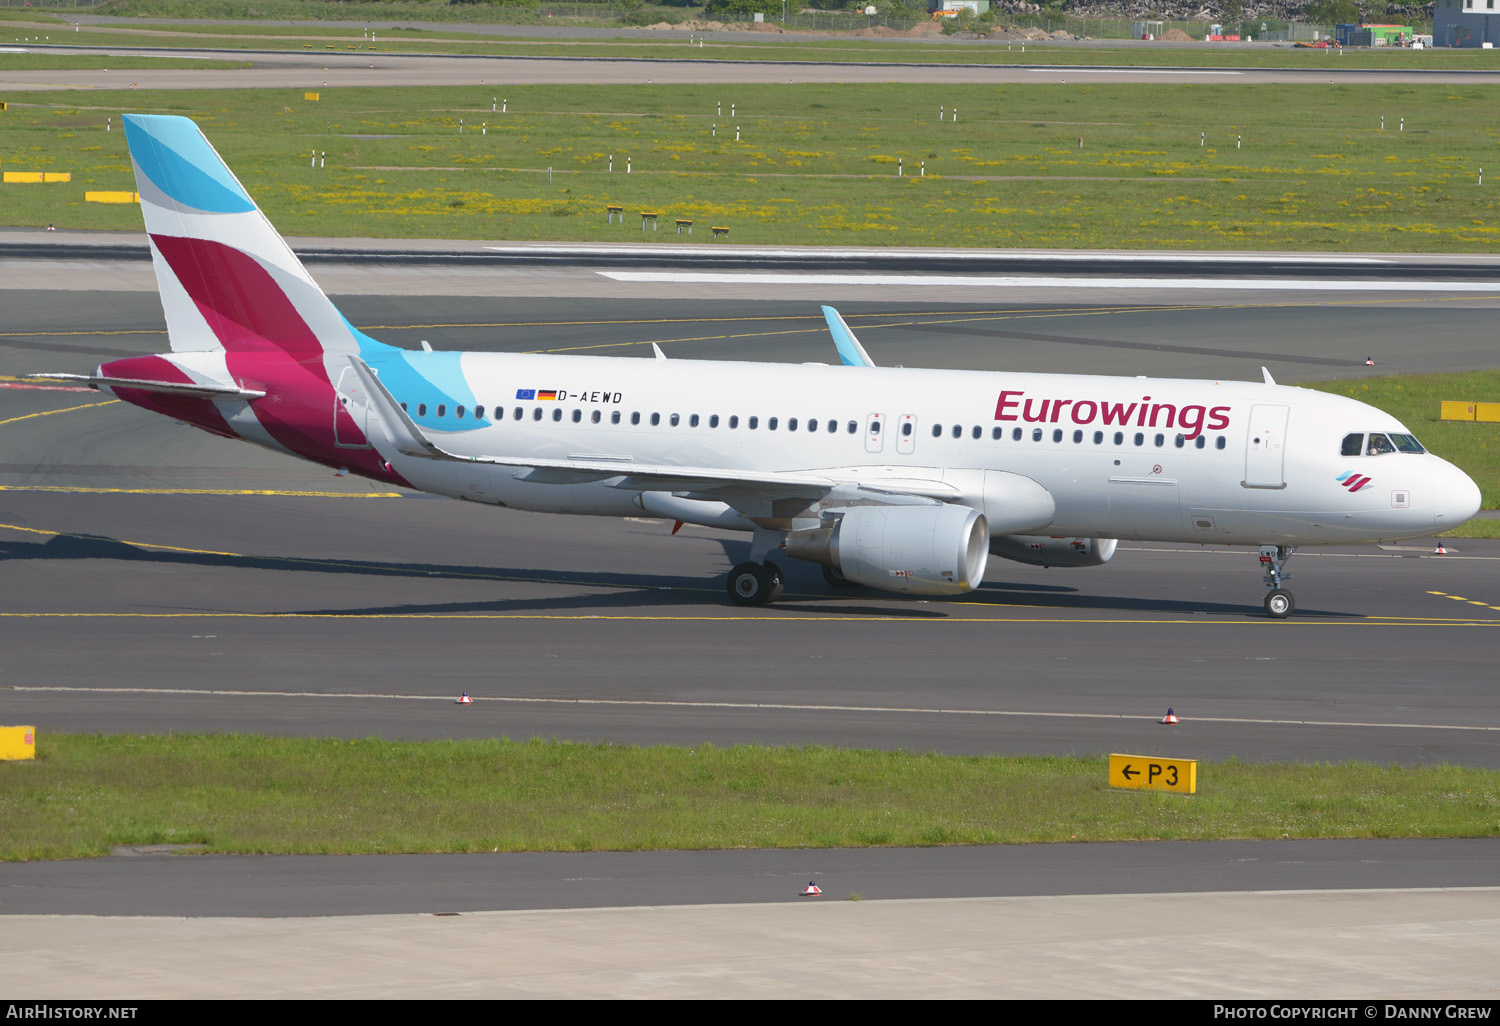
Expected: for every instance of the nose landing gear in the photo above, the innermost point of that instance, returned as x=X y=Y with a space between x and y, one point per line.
x=1273 y=558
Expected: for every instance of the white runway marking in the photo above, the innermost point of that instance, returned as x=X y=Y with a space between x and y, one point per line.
x=774 y=706
x=1132 y=71
x=1049 y=282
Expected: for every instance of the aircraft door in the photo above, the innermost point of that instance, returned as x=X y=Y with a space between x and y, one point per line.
x=1265 y=447
x=906 y=434
x=351 y=412
x=874 y=432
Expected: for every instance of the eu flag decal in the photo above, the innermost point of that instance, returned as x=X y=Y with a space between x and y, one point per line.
x=525 y=393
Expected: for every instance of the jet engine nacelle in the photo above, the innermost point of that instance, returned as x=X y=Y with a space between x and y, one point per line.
x=917 y=550
x=1041 y=550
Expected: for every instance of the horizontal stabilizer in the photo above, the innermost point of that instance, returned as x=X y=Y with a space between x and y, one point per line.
x=170 y=387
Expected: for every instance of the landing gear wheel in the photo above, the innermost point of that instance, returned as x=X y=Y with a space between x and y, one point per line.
x=780 y=585
x=836 y=578
x=753 y=584
x=1279 y=604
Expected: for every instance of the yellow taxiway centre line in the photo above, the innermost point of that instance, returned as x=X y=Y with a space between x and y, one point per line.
x=83 y=490
x=48 y=413
x=771 y=617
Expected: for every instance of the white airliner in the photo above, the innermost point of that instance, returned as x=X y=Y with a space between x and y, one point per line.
x=898 y=479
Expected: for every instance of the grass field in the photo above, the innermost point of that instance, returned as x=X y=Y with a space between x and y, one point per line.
x=237 y=793
x=1303 y=167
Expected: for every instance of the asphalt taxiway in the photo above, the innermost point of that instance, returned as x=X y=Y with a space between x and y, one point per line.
x=162 y=579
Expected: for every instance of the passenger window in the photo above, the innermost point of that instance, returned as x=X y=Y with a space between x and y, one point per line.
x=937 y=430
x=1057 y=434
x=458 y=411
x=958 y=431
x=1036 y=435
x=557 y=413
x=1219 y=442
x=771 y=424
x=536 y=413
x=1119 y=438
x=713 y=420
x=874 y=427
x=594 y=417
x=833 y=427
x=1140 y=438
x=978 y=431
x=1015 y=435
x=675 y=420
x=403 y=407
x=1098 y=437
x=853 y=427
x=752 y=423
x=1077 y=437
x=614 y=417
x=1161 y=440
x=519 y=413
x=421 y=409
x=906 y=429
x=1353 y=444
x=812 y=424
x=442 y=409
x=1378 y=445
x=693 y=420
x=1200 y=441
x=734 y=421
x=791 y=423
x=997 y=434
x=577 y=416
x=635 y=418
x=655 y=419
x=1180 y=441
x=479 y=413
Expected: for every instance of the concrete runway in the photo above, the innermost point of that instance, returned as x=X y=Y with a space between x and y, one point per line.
x=282 y=70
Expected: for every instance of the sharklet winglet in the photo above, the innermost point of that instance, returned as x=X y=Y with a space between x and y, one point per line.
x=851 y=353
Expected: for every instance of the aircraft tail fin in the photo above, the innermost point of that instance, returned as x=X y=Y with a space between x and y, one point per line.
x=228 y=281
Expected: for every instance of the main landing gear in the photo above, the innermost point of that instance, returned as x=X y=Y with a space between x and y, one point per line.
x=755 y=584
x=1273 y=558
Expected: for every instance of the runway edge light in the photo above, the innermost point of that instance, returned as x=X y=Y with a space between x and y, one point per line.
x=17 y=742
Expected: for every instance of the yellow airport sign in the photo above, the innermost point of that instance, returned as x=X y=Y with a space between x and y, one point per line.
x=312 y=97
x=111 y=197
x=1152 y=773
x=17 y=742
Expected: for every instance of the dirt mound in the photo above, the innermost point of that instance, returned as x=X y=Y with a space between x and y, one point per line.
x=883 y=31
x=924 y=28
x=1176 y=35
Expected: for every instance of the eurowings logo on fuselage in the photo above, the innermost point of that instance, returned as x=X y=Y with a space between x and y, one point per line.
x=1192 y=420
x=1352 y=481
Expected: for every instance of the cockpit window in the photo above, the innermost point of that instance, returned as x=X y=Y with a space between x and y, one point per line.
x=1353 y=444
x=1378 y=445
x=1407 y=443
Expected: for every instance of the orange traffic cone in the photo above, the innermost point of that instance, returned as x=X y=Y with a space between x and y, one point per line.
x=464 y=699
x=1440 y=551
x=811 y=889
x=1369 y=361
x=1170 y=717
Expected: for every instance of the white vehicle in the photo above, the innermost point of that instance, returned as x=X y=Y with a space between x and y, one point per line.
x=898 y=479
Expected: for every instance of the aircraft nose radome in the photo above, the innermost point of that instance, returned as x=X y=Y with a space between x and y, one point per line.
x=1458 y=501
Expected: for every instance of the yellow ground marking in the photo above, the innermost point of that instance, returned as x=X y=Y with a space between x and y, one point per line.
x=1460 y=598
x=82 y=490
x=768 y=617
x=48 y=413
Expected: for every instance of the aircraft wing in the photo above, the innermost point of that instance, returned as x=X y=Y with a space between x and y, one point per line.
x=169 y=387
x=411 y=440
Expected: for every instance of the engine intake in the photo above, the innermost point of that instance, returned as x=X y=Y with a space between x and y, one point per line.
x=1041 y=550
x=915 y=550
